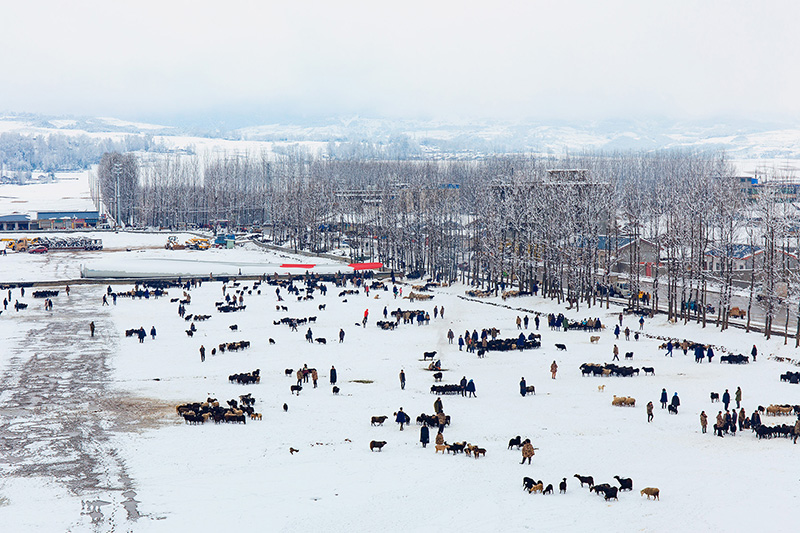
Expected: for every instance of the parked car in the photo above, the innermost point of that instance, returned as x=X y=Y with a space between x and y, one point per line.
x=37 y=249
x=737 y=313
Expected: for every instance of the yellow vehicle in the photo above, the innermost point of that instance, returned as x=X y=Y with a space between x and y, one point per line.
x=22 y=245
x=198 y=243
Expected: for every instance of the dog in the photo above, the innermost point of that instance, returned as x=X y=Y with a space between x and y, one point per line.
x=335 y=390
x=561 y=347
x=296 y=388
x=271 y=340
x=548 y=490
x=672 y=410
x=437 y=376
x=440 y=448
x=594 y=339
x=714 y=397
x=601 y=388
x=320 y=340
x=234 y=327
x=293 y=450
x=379 y=444
x=536 y=488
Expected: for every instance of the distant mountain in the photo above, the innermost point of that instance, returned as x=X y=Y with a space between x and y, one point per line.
x=360 y=136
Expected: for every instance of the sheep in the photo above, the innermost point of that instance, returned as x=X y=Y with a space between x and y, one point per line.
x=650 y=491
x=624 y=482
x=378 y=420
x=527 y=483
x=611 y=493
x=594 y=339
x=549 y=489
x=714 y=397
x=618 y=400
x=516 y=441
x=589 y=480
x=437 y=376
x=561 y=347
x=649 y=370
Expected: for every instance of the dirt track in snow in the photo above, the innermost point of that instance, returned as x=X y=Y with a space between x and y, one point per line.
x=58 y=412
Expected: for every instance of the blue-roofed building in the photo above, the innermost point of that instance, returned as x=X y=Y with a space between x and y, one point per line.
x=15 y=221
x=743 y=256
x=67 y=219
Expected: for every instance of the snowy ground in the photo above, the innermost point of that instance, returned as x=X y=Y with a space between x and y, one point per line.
x=93 y=419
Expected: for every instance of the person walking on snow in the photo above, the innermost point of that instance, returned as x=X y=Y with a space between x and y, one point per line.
x=649 y=412
x=91 y=328
x=616 y=353
x=402 y=380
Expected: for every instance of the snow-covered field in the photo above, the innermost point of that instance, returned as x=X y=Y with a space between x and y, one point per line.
x=90 y=419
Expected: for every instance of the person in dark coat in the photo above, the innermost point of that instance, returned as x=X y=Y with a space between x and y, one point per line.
x=202 y=353
x=437 y=406
x=754 y=352
x=463 y=385
x=401 y=418
x=676 y=402
x=523 y=387
x=733 y=422
x=402 y=380
x=153 y=332
x=471 y=389
x=521 y=341
x=664 y=398
x=710 y=353
x=91 y=328
x=333 y=376
x=460 y=343
x=726 y=398
x=424 y=435
x=616 y=332
x=669 y=349
x=755 y=420
x=341 y=335
x=142 y=334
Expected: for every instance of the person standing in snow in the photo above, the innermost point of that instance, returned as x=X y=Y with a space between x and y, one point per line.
x=527 y=451
x=424 y=435
x=754 y=352
x=471 y=389
x=437 y=405
x=523 y=387
x=402 y=380
x=450 y=336
x=703 y=421
x=314 y=376
x=401 y=418
x=664 y=398
x=536 y=321
x=341 y=335
x=738 y=397
x=91 y=328
x=676 y=402
x=333 y=375
x=553 y=369
x=153 y=332
x=202 y=353
x=726 y=398
x=463 y=386
x=649 y=412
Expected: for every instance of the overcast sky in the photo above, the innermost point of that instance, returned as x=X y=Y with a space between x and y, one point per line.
x=538 y=60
